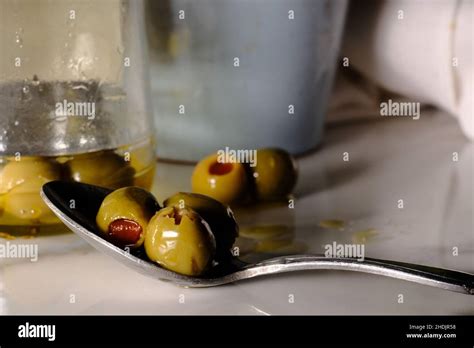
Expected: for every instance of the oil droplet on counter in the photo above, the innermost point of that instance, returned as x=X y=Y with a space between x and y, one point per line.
x=18 y=38
x=35 y=82
x=272 y=245
x=332 y=224
x=24 y=232
x=364 y=236
x=6 y=236
x=266 y=232
x=280 y=249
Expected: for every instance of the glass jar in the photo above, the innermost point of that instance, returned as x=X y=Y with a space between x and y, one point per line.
x=74 y=101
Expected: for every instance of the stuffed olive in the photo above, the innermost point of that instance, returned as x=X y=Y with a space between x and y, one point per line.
x=226 y=182
x=219 y=217
x=124 y=215
x=180 y=240
x=20 y=184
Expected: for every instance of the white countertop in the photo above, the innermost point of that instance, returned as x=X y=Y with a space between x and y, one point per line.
x=389 y=159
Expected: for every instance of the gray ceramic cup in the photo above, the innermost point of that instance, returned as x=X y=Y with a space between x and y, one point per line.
x=242 y=74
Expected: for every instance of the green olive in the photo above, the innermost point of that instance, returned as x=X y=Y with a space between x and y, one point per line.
x=180 y=240
x=226 y=182
x=106 y=169
x=219 y=217
x=29 y=172
x=28 y=206
x=274 y=174
x=20 y=184
x=124 y=215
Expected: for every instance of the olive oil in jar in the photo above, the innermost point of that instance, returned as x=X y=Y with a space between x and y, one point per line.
x=21 y=179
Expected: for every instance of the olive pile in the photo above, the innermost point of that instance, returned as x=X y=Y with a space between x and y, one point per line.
x=187 y=235
x=273 y=177
x=21 y=180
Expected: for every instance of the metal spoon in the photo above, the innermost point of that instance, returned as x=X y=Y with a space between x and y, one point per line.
x=77 y=205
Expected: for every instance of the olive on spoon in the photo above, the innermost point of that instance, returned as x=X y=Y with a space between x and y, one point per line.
x=82 y=220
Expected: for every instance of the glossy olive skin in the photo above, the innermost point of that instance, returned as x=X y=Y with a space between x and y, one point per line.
x=225 y=182
x=274 y=175
x=127 y=206
x=20 y=185
x=180 y=240
x=106 y=169
x=28 y=206
x=219 y=217
x=27 y=173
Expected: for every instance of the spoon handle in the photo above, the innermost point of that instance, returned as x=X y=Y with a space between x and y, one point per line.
x=427 y=275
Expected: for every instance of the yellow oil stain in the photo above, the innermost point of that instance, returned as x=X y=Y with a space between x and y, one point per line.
x=7 y=236
x=179 y=40
x=267 y=232
x=364 y=236
x=332 y=224
x=282 y=248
